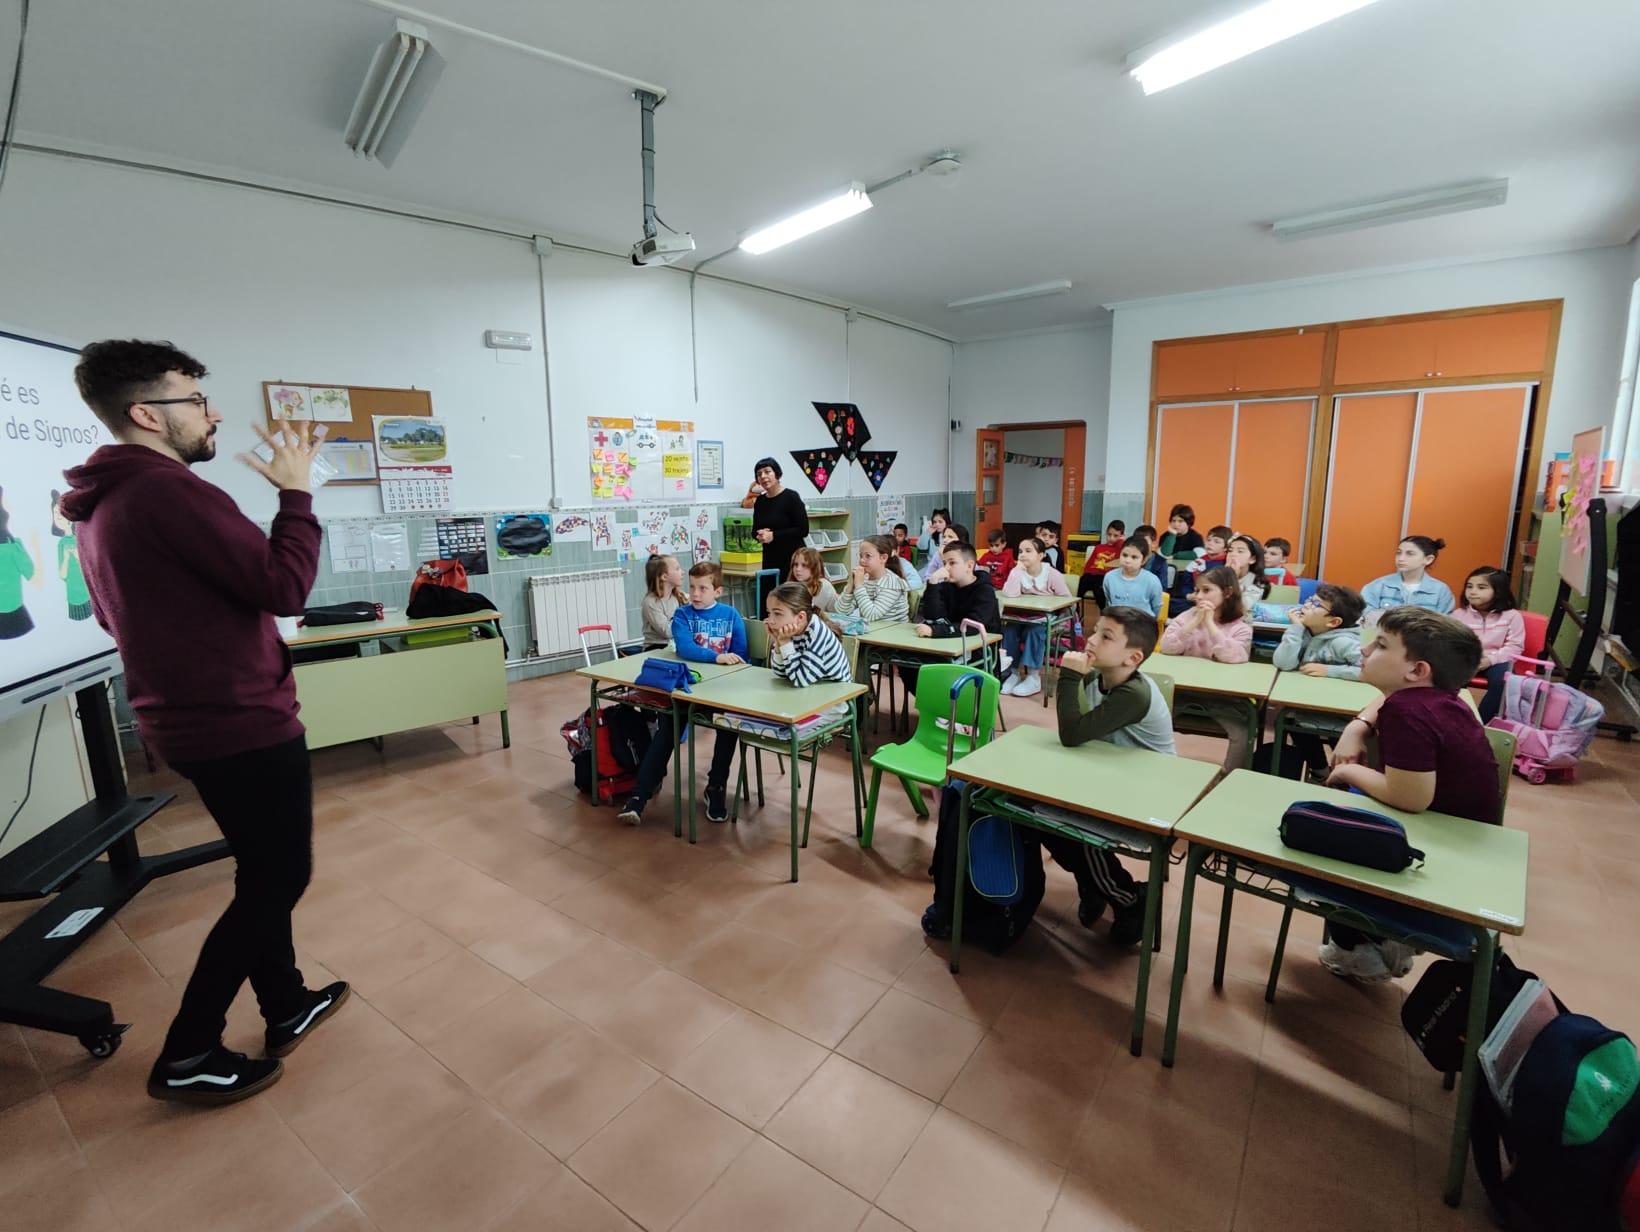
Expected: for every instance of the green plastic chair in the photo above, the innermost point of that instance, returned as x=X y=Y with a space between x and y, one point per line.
x=949 y=697
x=757 y=642
x=1284 y=596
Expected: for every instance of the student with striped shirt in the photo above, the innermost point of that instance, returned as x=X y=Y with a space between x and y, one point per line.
x=803 y=649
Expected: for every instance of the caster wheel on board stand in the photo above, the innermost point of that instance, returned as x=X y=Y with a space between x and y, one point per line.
x=104 y=1044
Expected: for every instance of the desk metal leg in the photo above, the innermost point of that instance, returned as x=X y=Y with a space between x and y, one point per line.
x=1181 y=950
x=958 y=885
x=797 y=782
x=1224 y=922
x=692 y=728
x=1153 y=924
x=680 y=714
x=506 y=731
x=1480 y=994
x=858 y=769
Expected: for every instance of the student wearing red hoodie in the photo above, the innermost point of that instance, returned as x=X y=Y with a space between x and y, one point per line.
x=188 y=587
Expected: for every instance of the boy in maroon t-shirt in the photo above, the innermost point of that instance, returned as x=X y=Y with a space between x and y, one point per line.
x=1432 y=752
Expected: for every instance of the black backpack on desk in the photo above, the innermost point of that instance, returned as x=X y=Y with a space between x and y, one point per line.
x=447 y=601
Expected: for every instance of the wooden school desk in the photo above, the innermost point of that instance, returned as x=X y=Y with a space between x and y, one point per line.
x=1057 y=608
x=1473 y=875
x=1249 y=683
x=1322 y=705
x=400 y=687
x=612 y=681
x=1130 y=798
x=757 y=693
x=893 y=642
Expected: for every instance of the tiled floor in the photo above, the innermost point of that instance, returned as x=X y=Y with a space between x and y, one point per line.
x=564 y=1023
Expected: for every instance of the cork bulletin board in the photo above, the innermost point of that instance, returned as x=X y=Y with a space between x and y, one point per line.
x=345 y=410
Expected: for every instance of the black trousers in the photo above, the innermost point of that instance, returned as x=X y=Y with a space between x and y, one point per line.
x=652 y=770
x=1099 y=874
x=262 y=800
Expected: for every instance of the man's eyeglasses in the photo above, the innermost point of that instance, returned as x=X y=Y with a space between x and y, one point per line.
x=202 y=401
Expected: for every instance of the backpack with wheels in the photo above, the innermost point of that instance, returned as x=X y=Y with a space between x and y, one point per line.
x=623 y=739
x=1002 y=886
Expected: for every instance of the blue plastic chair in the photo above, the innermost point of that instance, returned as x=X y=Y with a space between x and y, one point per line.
x=1306 y=589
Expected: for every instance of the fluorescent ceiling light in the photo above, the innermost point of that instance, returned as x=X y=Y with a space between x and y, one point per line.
x=395 y=89
x=1008 y=297
x=847 y=204
x=1253 y=30
x=1453 y=199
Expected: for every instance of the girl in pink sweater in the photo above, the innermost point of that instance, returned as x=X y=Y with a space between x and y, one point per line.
x=1488 y=607
x=1213 y=628
x=1027 y=643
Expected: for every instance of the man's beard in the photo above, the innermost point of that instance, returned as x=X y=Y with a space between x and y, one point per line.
x=201 y=448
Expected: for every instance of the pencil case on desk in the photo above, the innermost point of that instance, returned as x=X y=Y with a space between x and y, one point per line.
x=1355 y=836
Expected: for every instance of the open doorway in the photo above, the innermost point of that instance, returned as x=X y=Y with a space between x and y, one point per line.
x=1026 y=472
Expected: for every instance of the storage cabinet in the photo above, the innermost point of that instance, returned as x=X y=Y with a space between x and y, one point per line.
x=1282 y=361
x=1242 y=463
x=1483 y=345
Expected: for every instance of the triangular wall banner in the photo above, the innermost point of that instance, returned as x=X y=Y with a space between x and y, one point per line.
x=818 y=464
x=876 y=464
x=846 y=425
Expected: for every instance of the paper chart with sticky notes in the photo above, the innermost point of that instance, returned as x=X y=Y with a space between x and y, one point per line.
x=641 y=460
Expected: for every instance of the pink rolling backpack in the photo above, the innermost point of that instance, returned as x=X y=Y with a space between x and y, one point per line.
x=1553 y=725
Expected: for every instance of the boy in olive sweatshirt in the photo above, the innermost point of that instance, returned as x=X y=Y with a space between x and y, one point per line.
x=1104 y=696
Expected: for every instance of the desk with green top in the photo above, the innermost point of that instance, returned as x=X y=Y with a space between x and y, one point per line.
x=1473 y=875
x=757 y=693
x=403 y=685
x=1247 y=682
x=614 y=681
x=890 y=642
x=1318 y=703
x=1027 y=609
x=1131 y=798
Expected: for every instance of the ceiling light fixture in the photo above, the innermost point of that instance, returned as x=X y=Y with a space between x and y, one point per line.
x=395 y=89
x=1007 y=297
x=1453 y=199
x=1159 y=66
x=846 y=204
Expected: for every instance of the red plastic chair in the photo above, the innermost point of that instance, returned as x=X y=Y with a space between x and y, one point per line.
x=1531 y=656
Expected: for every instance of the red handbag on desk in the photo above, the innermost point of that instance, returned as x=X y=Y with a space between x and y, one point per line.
x=451 y=573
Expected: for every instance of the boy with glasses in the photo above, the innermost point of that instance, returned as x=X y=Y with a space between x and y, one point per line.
x=1323 y=640
x=188 y=586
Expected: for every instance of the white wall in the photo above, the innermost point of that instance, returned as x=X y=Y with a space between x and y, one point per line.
x=1594 y=283
x=1063 y=374
x=1026 y=490
x=266 y=287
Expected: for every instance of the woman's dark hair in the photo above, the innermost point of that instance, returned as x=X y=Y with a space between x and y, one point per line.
x=1257 y=567
x=1503 y=594
x=113 y=374
x=1225 y=579
x=5 y=519
x=772 y=465
x=1426 y=545
x=56 y=500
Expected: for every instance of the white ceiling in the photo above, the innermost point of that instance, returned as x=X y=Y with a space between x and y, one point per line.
x=1071 y=172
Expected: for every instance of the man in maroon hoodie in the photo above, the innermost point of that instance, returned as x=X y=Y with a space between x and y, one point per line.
x=188 y=587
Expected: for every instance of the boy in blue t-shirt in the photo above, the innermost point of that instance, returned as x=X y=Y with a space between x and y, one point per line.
x=705 y=631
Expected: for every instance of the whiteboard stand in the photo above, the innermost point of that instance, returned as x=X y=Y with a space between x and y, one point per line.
x=61 y=862
x=1587 y=621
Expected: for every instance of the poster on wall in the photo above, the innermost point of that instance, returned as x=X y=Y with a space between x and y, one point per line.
x=818 y=464
x=641 y=460
x=349 y=544
x=520 y=535
x=876 y=463
x=464 y=539
x=847 y=426
x=709 y=464
x=389 y=547
x=572 y=528
x=1583 y=486
x=890 y=510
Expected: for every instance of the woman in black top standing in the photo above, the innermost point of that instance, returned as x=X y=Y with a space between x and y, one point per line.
x=779 y=518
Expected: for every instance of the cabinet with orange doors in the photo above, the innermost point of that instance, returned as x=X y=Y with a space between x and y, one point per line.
x=1487 y=344
x=1240 y=365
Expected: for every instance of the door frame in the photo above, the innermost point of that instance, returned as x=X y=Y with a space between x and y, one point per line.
x=1070 y=488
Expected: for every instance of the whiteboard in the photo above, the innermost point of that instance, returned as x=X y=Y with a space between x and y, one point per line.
x=47 y=642
x=641 y=460
x=1582 y=487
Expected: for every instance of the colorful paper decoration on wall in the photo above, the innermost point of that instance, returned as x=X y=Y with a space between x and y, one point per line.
x=818 y=464
x=847 y=426
x=875 y=463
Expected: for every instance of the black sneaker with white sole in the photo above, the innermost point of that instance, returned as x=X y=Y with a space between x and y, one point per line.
x=717 y=807
x=632 y=811
x=283 y=1037
x=217 y=1077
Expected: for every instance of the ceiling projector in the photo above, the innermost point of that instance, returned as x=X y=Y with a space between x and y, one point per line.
x=662 y=249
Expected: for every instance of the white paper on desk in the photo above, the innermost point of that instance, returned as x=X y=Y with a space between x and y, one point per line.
x=389 y=547
x=349 y=546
